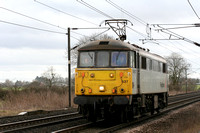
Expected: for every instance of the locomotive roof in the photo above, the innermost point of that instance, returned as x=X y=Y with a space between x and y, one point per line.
x=109 y=44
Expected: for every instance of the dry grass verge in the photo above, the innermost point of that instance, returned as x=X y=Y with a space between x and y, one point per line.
x=30 y=100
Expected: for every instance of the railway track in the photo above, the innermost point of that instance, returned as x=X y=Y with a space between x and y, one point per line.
x=175 y=102
x=74 y=122
x=39 y=122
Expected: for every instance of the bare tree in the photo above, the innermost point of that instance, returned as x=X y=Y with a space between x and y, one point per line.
x=177 y=66
x=18 y=84
x=51 y=78
x=8 y=83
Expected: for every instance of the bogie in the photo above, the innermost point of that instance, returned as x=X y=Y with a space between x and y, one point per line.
x=124 y=113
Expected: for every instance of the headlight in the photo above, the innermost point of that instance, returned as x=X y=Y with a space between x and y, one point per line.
x=101 y=88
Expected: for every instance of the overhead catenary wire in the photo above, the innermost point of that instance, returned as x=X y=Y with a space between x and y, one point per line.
x=171 y=33
x=166 y=31
x=65 y=12
x=133 y=30
x=141 y=34
x=184 y=52
x=93 y=8
x=57 y=26
x=35 y=28
x=180 y=26
x=91 y=38
x=106 y=15
x=185 y=39
x=159 y=44
x=101 y=33
x=193 y=9
x=189 y=48
x=30 y=27
x=71 y=16
x=176 y=48
x=126 y=12
x=33 y=18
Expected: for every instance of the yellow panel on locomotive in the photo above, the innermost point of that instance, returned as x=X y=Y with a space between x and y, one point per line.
x=99 y=81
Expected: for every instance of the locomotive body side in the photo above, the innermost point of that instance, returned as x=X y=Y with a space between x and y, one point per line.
x=153 y=74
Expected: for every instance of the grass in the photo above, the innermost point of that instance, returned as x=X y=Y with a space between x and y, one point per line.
x=29 y=100
x=197 y=87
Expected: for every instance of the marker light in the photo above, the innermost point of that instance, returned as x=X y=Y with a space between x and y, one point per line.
x=92 y=75
x=121 y=74
x=111 y=75
x=114 y=90
x=101 y=88
x=90 y=90
x=83 y=74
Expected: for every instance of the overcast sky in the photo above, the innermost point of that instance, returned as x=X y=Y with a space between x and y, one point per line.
x=26 y=53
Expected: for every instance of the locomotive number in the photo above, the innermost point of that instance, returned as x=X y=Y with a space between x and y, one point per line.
x=124 y=81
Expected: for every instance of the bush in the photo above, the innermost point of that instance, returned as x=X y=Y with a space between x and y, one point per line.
x=3 y=94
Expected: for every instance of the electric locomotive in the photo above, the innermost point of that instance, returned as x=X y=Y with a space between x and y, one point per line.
x=118 y=80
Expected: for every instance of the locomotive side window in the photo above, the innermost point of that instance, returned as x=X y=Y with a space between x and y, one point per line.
x=144 y=63
x=119 y=59
x=102 y=59
x=155 y=65
x=164 y=68
x=132 y=59
x=86 y=59
x=149 y=62
x=159 y=67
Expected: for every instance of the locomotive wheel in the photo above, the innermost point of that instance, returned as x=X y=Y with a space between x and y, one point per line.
x=107 y=114
x=123 y=114
x=152 y=111
x=130 y=116
x=91 y=116
x=158 y=110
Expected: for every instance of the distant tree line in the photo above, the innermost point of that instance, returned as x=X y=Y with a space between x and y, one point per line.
x=178 y=69
x=48 y=80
